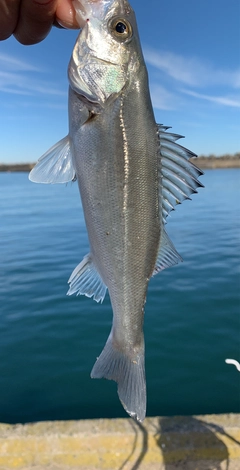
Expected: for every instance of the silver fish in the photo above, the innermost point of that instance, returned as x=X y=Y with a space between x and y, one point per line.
x=131 y=173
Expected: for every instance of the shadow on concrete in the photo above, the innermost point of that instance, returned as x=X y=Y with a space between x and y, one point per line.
x=138 y=428
x=220 y=430
x=183 y=442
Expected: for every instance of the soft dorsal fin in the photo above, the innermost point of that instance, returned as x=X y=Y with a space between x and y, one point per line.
x=55 y=166
x=179 y=177
x=167 y=254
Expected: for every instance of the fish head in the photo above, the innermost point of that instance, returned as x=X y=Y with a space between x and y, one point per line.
x=107 y=51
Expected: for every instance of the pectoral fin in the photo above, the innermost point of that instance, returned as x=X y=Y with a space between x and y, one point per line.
x=55 y=166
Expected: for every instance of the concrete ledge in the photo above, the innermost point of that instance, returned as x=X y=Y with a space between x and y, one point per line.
x=190 y=443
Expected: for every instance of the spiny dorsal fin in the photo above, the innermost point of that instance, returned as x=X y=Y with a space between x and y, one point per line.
x=55 y=166
x=179 y=177
x=85 y=280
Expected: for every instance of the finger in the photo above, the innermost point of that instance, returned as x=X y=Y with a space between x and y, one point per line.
x=65 y=14
x=8 y=17
x=35 y=20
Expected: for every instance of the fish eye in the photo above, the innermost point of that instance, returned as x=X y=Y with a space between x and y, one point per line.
x=120 y=29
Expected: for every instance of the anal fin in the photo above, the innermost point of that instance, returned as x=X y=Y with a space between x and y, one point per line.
x=85 y=280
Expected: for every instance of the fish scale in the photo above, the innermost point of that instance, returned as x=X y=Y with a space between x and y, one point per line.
x=131 y=173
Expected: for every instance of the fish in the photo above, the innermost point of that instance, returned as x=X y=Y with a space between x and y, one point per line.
x=131 y=174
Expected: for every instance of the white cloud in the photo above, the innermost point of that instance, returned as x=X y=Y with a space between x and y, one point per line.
x=163 y=99
x=11 y=82
x=222 y=100
x=173 y=65
x=21 y=84
x=19 y=77
x=8 y=62
x=191 y=70
x=236 y=78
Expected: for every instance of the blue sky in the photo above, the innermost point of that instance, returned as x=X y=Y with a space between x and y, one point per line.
x=192 y=51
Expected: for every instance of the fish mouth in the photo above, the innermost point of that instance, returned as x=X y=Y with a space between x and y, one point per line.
x=84 y=10
x=80 y=12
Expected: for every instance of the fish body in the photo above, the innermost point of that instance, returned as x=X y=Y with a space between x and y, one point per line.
x=130 y=173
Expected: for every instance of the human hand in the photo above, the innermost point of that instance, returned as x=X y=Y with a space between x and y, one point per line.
x=31 y=20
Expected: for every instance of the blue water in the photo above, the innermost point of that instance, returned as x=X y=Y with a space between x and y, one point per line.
x=49 y=342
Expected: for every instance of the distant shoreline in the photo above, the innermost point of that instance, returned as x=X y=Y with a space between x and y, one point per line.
x=211 y=162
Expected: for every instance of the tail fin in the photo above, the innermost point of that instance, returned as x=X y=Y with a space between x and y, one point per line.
x=129 y=373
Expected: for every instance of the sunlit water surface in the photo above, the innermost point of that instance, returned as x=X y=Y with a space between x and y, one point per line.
x=49 y=342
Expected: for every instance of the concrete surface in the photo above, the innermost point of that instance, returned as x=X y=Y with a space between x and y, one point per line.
x=210 y=442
